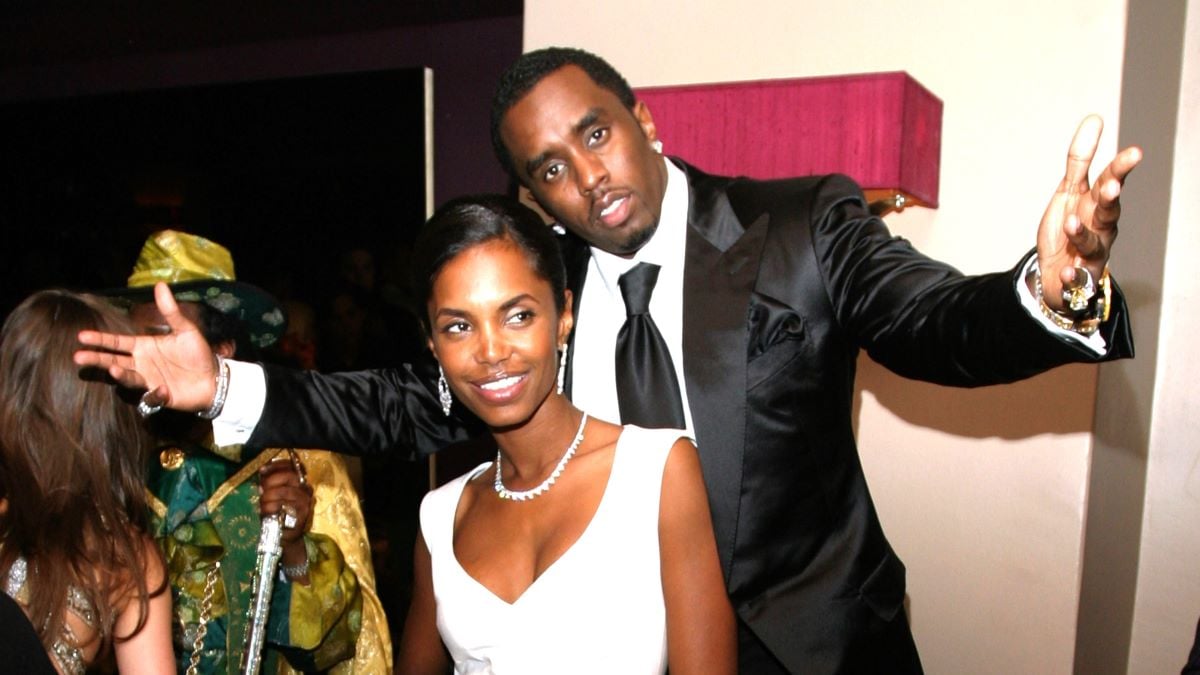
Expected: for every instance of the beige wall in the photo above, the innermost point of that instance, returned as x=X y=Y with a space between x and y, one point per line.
x=1168 y=583
x=982 y=492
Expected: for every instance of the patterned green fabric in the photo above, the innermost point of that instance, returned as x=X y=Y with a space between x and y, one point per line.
x=313 y=626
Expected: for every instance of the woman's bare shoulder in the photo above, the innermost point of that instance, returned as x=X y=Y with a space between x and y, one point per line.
x=600 y=437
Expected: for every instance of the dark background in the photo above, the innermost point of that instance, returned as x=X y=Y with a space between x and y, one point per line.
x=46 y=32
x=284 y=173
x=287 y=135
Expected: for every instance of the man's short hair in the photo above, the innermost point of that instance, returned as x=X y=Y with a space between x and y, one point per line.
x=532 y=68
x=218 y=327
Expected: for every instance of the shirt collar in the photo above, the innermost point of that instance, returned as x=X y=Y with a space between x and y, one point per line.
x=666 y=246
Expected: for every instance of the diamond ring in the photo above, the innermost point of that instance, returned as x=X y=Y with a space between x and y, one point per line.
x=145 y=408
x=290 y=519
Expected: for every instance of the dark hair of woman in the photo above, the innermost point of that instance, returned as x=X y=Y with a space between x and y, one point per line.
x=72 y=466
x=466 y=222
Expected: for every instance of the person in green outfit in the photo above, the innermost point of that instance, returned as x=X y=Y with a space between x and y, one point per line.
x=207 y=504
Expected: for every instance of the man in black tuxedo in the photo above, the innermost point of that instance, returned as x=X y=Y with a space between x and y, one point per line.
x=766 y=292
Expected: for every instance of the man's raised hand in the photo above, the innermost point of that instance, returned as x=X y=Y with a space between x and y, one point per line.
x=1080 y=223
x=177 y=369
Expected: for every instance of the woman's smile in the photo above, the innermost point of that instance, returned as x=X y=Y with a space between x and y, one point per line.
x=497 y=332
x=502 y=388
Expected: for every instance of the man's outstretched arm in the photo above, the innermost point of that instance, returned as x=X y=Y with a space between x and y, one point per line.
x=177 y=370
x=358 y=413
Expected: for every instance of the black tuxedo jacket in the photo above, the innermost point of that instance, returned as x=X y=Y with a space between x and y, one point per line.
x=21 y=650
x=784 y=282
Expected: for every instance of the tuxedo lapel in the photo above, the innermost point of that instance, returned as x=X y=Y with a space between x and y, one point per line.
x=720 y=267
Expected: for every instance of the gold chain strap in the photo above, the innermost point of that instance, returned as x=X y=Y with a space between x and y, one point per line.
x=210 y=583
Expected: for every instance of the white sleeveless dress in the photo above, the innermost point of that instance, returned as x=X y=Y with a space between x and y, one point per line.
x=598 y=609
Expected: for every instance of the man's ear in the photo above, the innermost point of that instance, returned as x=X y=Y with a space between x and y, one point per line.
x=642 y=114
x=567 y=321
x=526 y=197
x=226 y=349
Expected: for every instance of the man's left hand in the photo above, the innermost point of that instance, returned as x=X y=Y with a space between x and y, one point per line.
x=1080 y=223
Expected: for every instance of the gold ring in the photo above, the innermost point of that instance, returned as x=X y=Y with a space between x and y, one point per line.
x=1079 y=293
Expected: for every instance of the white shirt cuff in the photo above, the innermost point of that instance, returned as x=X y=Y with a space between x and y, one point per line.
x=244 y=404
x=1032 y=305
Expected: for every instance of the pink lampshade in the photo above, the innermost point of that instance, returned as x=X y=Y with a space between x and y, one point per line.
x=882 y=129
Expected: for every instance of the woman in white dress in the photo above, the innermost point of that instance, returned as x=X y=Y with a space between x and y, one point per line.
x=584 y=547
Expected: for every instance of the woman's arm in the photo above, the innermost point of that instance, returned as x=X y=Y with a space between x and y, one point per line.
x=421 y=650
x=148 y=652
x=701 y=634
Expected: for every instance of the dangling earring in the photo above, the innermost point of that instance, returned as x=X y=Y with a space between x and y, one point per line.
x=562 y=368
x=444 y=392
x=657 y=145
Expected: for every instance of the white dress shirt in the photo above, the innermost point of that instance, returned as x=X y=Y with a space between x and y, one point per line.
x=244 y=403
x=602 y=309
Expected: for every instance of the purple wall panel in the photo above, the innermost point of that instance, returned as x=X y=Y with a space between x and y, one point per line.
x=882 y=129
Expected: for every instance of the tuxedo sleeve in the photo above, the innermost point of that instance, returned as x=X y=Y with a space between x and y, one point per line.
x=926 y=320
x=357 y=413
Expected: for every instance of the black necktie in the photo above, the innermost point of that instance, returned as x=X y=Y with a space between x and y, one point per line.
x=647 y=389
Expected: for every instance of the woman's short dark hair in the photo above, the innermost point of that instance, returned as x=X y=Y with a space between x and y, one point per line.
x=531 y=68
x=464 y=223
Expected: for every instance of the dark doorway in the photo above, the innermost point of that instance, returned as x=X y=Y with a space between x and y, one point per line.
x=283 y=172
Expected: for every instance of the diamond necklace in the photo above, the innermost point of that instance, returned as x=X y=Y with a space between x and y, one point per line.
x=522 y=495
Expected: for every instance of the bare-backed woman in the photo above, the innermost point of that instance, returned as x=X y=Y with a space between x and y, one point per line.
x=74 y=549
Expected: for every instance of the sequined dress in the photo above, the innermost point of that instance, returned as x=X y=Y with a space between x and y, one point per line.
x=64 y=652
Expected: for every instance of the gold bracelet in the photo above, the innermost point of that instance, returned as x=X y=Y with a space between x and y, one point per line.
x=1086 y=325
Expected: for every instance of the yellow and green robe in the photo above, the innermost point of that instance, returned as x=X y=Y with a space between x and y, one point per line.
x=205 y=509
